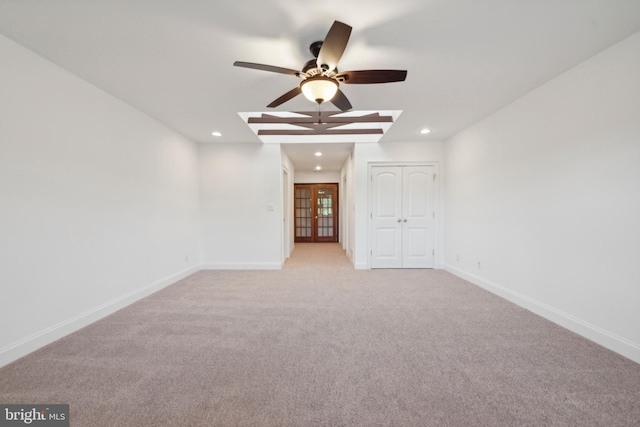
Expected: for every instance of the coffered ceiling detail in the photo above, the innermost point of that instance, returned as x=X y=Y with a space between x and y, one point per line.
x=320 y=126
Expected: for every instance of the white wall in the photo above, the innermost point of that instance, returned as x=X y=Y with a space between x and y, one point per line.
x=546 y=195
x=397 y=152
x=99 y=203
x=239 y=183
x=317 y=177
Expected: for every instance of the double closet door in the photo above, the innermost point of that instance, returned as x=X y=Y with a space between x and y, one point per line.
x=316 y=212
x=402 y=217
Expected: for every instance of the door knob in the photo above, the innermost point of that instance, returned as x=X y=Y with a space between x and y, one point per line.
x=405 y=220
x=399 y=220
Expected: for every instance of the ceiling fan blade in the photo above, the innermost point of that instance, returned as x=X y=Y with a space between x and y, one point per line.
x=341 y=101
x=334 y=45
x=372 y=76
x=264 y=67
x=287 y=96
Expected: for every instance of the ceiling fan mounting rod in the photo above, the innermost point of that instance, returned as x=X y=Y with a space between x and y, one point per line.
x=315 y=47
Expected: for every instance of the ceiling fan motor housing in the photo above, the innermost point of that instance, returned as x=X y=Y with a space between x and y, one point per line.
x=309 y=66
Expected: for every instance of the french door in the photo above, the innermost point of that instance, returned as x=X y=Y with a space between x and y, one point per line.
x=402 y=217
x=316 y=212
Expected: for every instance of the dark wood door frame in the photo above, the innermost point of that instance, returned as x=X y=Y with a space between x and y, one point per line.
x=316 y=212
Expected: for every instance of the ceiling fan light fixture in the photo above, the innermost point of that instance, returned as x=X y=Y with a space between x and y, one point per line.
x=319 y=88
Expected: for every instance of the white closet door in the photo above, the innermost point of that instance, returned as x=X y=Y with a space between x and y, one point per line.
x=386 y=217
x=417 y=217
x=402 y=216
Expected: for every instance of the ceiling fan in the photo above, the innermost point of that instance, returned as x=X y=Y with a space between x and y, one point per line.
x=320 y=76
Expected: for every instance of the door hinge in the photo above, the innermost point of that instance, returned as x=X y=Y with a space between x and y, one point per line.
x=371 y=215
x=433 y=252
x=434 y=214
x=434 y=176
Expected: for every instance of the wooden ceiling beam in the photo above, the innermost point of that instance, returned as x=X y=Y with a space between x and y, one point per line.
x=271 y=119
x=273 y=132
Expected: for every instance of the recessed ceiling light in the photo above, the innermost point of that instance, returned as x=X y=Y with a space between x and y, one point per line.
x=318 y=154
x=425 y=131
x=216 y=133
x=318 y=168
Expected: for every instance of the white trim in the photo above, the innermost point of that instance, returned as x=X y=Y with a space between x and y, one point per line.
x=35 y=341
x=286 y=213
x=344 y=213
x=242 y=266
x=581 y=327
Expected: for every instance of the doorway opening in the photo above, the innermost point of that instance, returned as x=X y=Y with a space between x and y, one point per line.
x=316 y=212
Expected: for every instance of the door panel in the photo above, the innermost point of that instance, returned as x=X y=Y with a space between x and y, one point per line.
x=387 y=244
x=303 y=211
x=415 y=182
x=326 y=226
x=417 y=197
x=386 y=217
x=388 y=185
x=416 y=250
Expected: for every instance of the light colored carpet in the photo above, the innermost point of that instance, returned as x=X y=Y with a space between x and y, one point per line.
x=321 y=344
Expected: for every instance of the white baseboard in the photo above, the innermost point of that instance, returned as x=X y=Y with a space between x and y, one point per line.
x=242 y=266
x=35 y=341
x=360 y=265
x=594 y=333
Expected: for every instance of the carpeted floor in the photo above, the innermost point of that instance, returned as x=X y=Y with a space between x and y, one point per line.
x=321 y=344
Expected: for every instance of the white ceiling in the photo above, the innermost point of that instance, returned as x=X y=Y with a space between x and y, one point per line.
x=173 y=59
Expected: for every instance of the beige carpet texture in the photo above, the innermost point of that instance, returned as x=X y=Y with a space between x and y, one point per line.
x=321 y=344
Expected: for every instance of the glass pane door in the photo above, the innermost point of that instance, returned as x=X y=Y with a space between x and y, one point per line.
x=303 y=214
x=325 y=212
